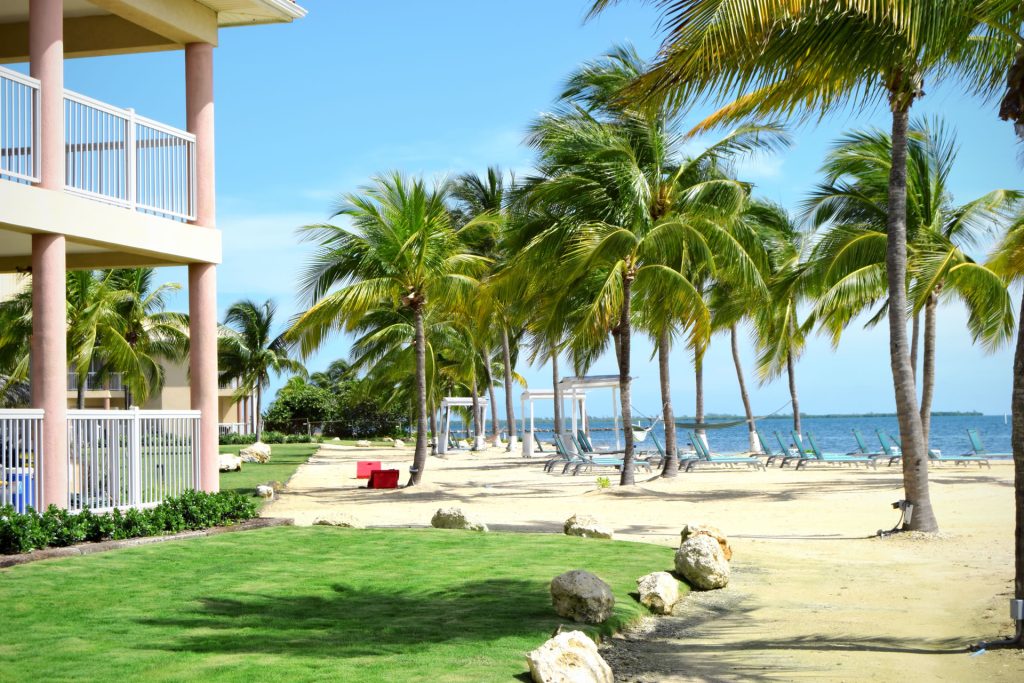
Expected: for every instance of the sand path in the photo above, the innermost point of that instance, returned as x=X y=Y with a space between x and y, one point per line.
x=812 y=596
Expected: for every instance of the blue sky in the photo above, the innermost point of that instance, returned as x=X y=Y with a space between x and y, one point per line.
x=309 y=110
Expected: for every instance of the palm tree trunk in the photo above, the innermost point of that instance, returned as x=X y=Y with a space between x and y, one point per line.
x=744 y=396
x=419 y=459
x=1017 y=439
x=670 y=468
x=433 y=430
x=80 y=396
x=915 y=333
x=510 y=415
x=259 y=413
x=698 y=410
x=478 y=428
x=915 y=457
x=557 y=391
x=495 y=423
x=627 y=477
x=794 y=399
x=928 y=367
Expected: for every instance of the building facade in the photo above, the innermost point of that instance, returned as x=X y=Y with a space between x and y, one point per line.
x=84 y=184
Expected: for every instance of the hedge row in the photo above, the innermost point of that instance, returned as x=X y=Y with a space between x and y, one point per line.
x=268 y=437
x=22 y=532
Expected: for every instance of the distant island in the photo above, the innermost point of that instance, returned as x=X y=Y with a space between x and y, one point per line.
x=788 y=416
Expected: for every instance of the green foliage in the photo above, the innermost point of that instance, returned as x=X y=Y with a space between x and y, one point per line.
x=23 y=532
x=296 y=403
x=603 y=482
x=232 y=439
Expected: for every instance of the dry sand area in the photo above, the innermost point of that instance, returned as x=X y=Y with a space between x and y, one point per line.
x=813 y=595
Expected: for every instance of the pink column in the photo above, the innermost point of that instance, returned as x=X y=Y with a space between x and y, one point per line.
x=202 y=277
x=49 y=299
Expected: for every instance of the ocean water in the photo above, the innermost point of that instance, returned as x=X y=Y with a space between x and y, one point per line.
x=833 y=434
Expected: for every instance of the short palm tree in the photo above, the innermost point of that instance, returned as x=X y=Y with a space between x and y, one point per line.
x=249 y=352
x=814 y=57
x=401 y=250
x=848 y=262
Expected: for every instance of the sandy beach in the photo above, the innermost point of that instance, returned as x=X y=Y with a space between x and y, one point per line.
x=813 y=595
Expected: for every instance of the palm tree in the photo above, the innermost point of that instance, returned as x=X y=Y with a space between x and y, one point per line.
x=149 y=336
x=615 y=172
x=849 y=260
x=814 y=57
x=248 y=352
x=401 y=250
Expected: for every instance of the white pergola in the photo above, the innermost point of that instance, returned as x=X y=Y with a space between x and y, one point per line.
x=449 y=402
x=580 y=385
x=531 y=396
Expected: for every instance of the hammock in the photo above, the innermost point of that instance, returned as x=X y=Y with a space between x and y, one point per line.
x=725 y=425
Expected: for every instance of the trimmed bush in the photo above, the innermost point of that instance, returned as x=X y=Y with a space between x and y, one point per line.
x=232 y=439
x=192 y=510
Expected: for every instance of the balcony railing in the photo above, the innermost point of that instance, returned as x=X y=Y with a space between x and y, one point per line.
x=94 y=382
x=110 y=154
x=21 y=458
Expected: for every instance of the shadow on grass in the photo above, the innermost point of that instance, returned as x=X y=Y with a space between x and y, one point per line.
x=362 y=621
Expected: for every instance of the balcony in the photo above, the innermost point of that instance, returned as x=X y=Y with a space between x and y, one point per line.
x=95 y=382
x=111 y=155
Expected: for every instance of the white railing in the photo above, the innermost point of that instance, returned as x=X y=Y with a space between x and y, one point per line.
x=232 y=428
x=94 y=382
x=21 y=458
x=113 y=155
x=132 y=458
x=19 y=105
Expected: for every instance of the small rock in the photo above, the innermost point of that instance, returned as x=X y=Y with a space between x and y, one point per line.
x=276 y=485
x=696 y=529
x=586 y=526
x=264 y=491
x=569 y=657
x=257 y=452
x=463 y=444
x=339 y=519
x=398 y=443
x=702 y=563
x=455 y=518
x=582 y=596
x=659 y=592
x=363 y=443
x=229 y=463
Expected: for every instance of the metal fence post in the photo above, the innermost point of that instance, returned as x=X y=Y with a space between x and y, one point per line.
x=129 y=165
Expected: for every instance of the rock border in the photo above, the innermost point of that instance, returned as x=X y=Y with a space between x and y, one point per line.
x=105 y=546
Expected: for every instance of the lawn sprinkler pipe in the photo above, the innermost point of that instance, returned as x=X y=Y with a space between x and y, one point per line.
x=1017 y=614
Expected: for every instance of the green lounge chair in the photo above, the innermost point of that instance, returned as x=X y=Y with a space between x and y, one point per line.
x=935 y=456
x=889 y=447
x=891 y=455
x=832 y=458
x=563 y=457
x=588 y=447
x=704 y=457
x=591 y=459
x=788 y=456
x=766 y=450
x=979 y=448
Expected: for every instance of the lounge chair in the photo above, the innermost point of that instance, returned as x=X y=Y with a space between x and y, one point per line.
x=889 y=447
x=766 y=450
x=704 y=457
x=979 y=448
x=663 y=456
x=935 y=456
x=563 y=457
x=787 y=455
x=588 y=447
x=862 y=446
x=591 y=459
x=817 y=455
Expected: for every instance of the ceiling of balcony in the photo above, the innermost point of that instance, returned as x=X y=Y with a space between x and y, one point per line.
x=17 y=10
x=229 y=12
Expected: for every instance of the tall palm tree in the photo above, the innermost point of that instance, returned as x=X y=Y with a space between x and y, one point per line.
x=150 y=334
x=814 y=57
x=849 y=259
x=615 y=170
x=249 y=351
x=400 y=250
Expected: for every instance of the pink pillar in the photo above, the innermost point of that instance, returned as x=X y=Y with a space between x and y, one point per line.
x=49 y=299
x=202 y=277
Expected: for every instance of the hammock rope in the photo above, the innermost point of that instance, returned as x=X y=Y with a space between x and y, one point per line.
x=731 y=423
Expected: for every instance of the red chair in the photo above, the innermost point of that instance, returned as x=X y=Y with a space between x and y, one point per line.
x=365 y=467
x=383 y=479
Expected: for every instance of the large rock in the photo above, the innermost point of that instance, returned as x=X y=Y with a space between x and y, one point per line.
x=659 y=592
x=264 y=491
x=455 y=518
x=229 y=463
x=702 y=563
x=257 y=452
x=698 y=529
x=582 y=596
x=398 y=443
x=340 y=519
x=569 y=657
x=586 y=526
x=363 y=443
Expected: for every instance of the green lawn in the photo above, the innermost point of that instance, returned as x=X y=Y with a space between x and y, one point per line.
x=284 y=460
x=303 y=604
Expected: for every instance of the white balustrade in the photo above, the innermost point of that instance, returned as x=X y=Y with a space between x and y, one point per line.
x=19 y=107
x=21 y=458
x=131 y=458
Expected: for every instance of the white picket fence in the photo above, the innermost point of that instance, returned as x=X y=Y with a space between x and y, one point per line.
x=131 y=458
x=21 y=458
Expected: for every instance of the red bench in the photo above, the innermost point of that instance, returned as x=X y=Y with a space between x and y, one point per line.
x=383 y=479
x=365 y=467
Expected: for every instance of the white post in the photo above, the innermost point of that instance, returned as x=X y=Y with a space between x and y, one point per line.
x=528 y=435
x=572 y=402
x=442 y=442
x=615 y=418
x=129 y=162
x=135 y=460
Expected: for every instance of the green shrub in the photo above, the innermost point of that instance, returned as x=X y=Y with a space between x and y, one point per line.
x=22 y=532
x=273 y=437
x=232 y=439
x=298 y=438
